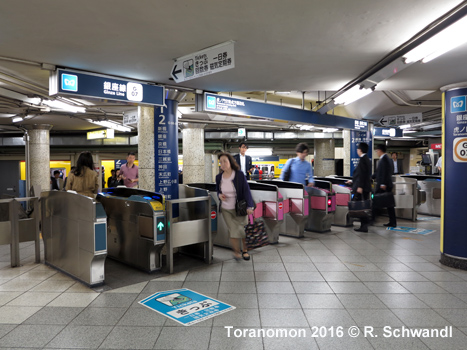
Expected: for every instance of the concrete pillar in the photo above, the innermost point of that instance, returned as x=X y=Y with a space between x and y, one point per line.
x=146 y=149
x=193 y=153
x=208 y=165
x=39 y=156
x=324 y=157
x=346 y=140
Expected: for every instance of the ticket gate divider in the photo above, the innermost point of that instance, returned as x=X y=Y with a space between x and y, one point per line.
x=431 y=184
x=408 y=197
x=136 y=226
x=343 y=196
x=296 y=207
x=192 y=229
x=269 y=207
x=322 y=206
x=74 y=234
x=16 y=230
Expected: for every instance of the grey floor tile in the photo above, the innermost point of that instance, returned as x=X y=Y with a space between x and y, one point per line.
x=295 y=258
x=274 y=287
x=283 y=318
x=207 y=276
x=331 y=266
x=305 y=276
x=442 y=301
x=223 y=338
x=277 y=341
x=394 y=267
x=456 y=317
x=402 y=301
x=202 y=287
x=319 y=301
x=141 y=316
x=423 y=287
x=269 y=276
x=453 y=287
x=344 y=343
x=88 y=337
x=361 y=267
x=382 y=258
x=243 y=276
x=339 y=276
x=349 y=287
x=6 y=328
x=6 y=297
x=424 y=267
x=278 y=301
x=54 y=315
x=373 y=276
x=269 y=267
x=384 y=339
x=456 y=342
x=16 y=314
x=237 y=266
x=329 y=317
x=411 y=259
x=114 y=300
x=74 y=299
x=375 y=317
x=300 y=267
x=237 y=287
x=156 y=286
x=421 y=317
x=240 y=301
x=444 y=276
x=28 y=336
x=385 y=287
x=238 y=317
x=124 y=337
x=261 y=258
x=98 y=316
x=18 y=285
x=407 y=276
x=312 y=287
x=360 y=301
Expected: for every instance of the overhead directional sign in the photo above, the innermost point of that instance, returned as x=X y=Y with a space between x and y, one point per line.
x=401 y=119
x=76 y=83
x=205 y=62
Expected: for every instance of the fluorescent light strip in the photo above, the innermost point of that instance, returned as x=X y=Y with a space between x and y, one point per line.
x=352 y=95
x=64 y=106
x=112 y=125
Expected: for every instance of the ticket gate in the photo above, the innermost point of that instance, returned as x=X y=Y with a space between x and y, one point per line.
x=269 y=206
x=343 y=196
x=431 y=184
x=74 y=234
x=322 y=206
x=136 y=226
x=296 y=207
x=408 y=197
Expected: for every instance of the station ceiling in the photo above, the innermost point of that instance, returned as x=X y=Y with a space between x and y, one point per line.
x=284 y=51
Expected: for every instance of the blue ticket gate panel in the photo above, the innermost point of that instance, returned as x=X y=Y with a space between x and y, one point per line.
x=322 y=206
x=74 y=233
x=296 y=207
x=136 y=226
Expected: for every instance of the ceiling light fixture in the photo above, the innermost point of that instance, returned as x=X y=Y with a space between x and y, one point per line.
x=446 y=40
x=259 y=152
x=112 y=125
x=17 y=119
x=65 y=106
x=405 y=126
x=330 y=129
x=352 y=95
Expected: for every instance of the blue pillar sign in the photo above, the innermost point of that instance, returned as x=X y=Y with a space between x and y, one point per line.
x=166 y=149
x=454 y=185
x=355 y=138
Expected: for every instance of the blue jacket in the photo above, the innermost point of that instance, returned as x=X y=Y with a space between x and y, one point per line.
x=243 y=190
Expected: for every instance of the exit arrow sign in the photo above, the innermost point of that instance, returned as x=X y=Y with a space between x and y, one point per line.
x=160 y=226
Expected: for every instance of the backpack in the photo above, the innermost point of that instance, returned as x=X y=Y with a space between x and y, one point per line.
x=286 y=176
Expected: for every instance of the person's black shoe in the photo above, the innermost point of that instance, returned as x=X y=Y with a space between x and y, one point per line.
x=390 y=225
x=361 y=229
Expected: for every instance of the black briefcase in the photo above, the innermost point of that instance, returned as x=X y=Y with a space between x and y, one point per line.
x=384 y=200
x=360 y=209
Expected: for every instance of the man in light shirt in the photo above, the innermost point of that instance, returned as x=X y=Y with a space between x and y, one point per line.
x=245 y=163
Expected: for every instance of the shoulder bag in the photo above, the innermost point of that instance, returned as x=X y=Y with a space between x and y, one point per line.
x=287 y=171
x=241 y=205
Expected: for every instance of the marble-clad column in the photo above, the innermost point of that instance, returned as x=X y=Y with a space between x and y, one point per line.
x=146 y=150
x=324 y=157
x=193 y=153
x=39 y=156
x=346 y=140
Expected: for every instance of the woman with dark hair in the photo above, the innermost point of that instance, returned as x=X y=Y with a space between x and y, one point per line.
x=231 y=186
x=84 y=180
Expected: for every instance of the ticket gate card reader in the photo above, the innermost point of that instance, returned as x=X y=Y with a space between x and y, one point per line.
x=74 y=234
x=431 y=185
x=343 y=196
x=322 y=206
x=296 y=207
x=136 y=226
x=269 y=206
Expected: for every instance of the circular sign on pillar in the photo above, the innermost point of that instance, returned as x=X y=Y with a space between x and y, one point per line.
x=281 y=205
x=213 y=215
x=460 y=149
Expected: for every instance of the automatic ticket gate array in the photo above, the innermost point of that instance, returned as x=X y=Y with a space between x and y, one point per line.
x=343 y=196
x=136 y=226
x=296 y=207
x=322 y=206
x=74 y=234
x=408 y=197
x=431 y=184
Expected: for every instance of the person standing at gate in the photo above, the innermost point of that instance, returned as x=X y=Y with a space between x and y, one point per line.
x=231 y=186
x=383 y=178
x=361 y=181
x=397 y=163
x=84 y=180
x=244 y=161
x=298 y=168
x=129 y=171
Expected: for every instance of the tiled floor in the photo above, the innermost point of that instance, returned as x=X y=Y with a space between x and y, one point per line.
x=328 y=285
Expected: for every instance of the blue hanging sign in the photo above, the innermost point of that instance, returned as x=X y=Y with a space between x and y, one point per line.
x=185 y=306
x=228 y=105
x=355 y=138
x=76 y=83
x=387 y=132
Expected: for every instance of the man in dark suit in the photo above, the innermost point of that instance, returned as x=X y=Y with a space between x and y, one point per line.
x=244 y=161
x=397 y=164
x=383 y=180
x=361 y=181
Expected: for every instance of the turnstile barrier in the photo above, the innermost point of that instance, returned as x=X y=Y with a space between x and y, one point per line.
x=322 y=206
x=408 y=197
x=431 y=185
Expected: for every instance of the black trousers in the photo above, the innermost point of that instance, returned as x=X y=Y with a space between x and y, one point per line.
x=359 y=197
x=391 y=213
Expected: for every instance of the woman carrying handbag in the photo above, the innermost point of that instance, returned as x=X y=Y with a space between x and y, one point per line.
x=234 y=192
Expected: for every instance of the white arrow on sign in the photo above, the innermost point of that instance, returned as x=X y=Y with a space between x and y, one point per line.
x=211 y=60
